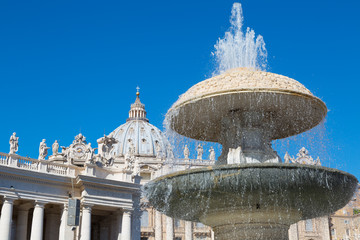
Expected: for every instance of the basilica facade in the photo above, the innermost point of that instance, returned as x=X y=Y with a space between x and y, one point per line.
x=77 y=193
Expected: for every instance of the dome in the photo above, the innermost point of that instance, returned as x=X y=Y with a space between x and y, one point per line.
x=147 y=139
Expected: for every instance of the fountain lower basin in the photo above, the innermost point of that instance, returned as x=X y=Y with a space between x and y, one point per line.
x=251 y=201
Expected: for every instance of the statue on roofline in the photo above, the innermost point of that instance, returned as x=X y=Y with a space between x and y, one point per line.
x=200 y=152
x=14 y=143
x=186 y=152
x=43 y=150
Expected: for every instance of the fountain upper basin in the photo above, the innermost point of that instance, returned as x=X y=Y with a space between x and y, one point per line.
x=288 y=107
x=238 y=194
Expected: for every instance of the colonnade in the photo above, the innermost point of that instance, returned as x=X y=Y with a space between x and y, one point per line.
x=55 y=222
x=170 y=231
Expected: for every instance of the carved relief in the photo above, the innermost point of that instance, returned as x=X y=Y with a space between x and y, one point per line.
x=303 y=157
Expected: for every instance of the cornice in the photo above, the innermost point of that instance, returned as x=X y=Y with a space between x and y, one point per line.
x=35 y=177
x=89 y=181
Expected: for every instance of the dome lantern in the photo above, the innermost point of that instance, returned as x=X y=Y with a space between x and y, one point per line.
x=137 y=109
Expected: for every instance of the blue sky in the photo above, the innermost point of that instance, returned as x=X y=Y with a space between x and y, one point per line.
x=70 y=66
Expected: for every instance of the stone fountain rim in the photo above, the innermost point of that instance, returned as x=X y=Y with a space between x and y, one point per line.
x=177 y=105
x=251 y=165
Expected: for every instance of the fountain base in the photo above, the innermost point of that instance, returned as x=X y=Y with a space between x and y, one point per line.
x=252 y=232
x=257 y=224
x=251 y=201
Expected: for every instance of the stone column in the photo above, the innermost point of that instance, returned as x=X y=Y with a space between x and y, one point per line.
x=188 y=230
x=119 y=224
x=6 y=218
x=169 y=228
x=212 y=235
x=105 y=230
x=86 y=223
x=21 y=224
x=37 y=221
x=126 y=225
x=293 y=232
x=52 y=224
x=113 y=226
x=158 y=226
x=63 y=222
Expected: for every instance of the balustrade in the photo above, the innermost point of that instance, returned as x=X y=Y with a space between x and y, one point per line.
x=3 y=159
x=17 y=161
x=57 y=169
x=27 y=163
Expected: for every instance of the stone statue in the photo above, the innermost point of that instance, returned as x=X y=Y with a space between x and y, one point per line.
x=158 y=150
x=55 y=148
x=200 y=152
x=43 y=150
x=186 y=152
x=90 y=153
x=127 y=165
x=136 y=170
x=79 y=139
x=212 y=154
x=170 y=153
x=105 y=146
x=14 y=143
x=64 y=150
x=132 y=149
x=303 y=153
x=129 y=157
x=287 y=158
x=303 y=157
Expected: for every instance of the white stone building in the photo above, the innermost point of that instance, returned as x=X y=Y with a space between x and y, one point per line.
x=35 y=193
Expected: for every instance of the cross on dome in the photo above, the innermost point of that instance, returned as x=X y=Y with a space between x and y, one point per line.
x=137 y=91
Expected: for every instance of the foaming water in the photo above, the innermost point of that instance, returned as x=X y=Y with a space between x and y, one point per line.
x=238 y=48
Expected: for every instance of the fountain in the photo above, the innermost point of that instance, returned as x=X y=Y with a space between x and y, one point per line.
x=249 y=194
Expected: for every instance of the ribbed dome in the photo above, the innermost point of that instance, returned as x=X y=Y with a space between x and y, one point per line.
x=147 y=139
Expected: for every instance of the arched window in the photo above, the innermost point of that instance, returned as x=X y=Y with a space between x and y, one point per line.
x=308 y=225
x=176 y=223
x=200 y=225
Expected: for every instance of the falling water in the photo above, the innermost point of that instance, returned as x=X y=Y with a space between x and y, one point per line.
x=248 y=200
x=238 y=48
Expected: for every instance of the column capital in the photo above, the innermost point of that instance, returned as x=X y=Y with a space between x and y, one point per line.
x=87 y=206
x=84 y=204
x=127 y=211
x=9 y=199
x=40 y=203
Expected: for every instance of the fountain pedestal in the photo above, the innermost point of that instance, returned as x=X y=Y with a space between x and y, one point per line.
x=256 y=224
x=246 y=138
